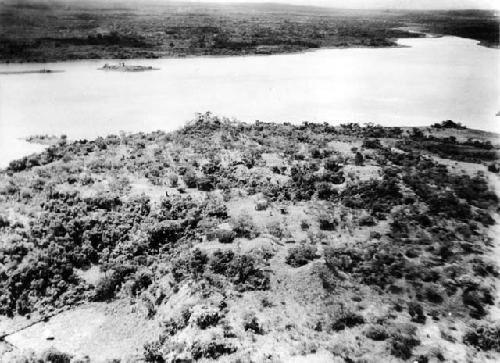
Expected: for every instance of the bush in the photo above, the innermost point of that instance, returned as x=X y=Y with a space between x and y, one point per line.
x=326 y=191
x=52 y=355
x=108 y=285
x=476 y=298
x=190 y=179
x=342 y=259
x=244 y=227
x=206 y=317
x=301 y=255
x=484 y=337
x=225 y=236
x=4 y=222
x=211 y=350
x=376 y=332
x=367 y=221
x=190 y=265
x=153 y=352
x=332 y=165
x=347 y=320
x=242 y=270
x=416 y=312
x=277 y=230
x=163 y=232
x=327 y=223
x=220 y=261
x=372 y=144
x=251 y=323
x=403 y=341
x=205 y=184
x=494 y=168
x=358 y=159
x=448 y=124
x=173 y=180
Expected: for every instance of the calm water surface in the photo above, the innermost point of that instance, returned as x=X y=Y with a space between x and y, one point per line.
x=431 y=80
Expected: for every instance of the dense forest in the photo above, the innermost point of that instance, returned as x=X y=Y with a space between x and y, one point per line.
x=38 y=31
x=263 y=242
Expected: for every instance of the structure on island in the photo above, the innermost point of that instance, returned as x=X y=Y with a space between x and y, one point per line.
x=122 y=67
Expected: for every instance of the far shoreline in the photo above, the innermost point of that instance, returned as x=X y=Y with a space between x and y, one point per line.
x=396 y=45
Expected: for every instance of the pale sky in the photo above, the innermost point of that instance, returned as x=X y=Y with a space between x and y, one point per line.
x=378 y=4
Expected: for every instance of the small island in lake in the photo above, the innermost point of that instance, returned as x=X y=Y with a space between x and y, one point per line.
x=122 y=67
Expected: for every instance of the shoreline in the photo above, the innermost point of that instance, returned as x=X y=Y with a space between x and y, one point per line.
x=417 y=35
x=192 y=56
x=215 y=56
x=40 y=71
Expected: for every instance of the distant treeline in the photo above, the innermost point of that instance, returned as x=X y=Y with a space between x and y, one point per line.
x=80 y=31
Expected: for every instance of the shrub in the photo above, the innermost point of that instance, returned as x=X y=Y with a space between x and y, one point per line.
x=416 y=312
x=494 y=168
x=347 y=320
x=163 y=232
x=108 y=285
x=372 y=144
x=476 y=298
x=301 y=255
x=173 y=180
x=242 y=270
x=402 y=343
x=342 y=259
x=367 y=221
x=246 y=274
x=244 y=227
x=173 y=325
x=484 y=337
x=332 y=165
x=376 y=332
x=192 y=264
x=190 y=179
x=205 y=184
x=434 y=294
x=261 y=205
x=220 y=261
x=327 y=223
x=206 y=317
x=358 y=159
x=4 y=222
x=153 y=352
x=225 y=236
x=52 y=355
x=326 y=191
x=211 y=350
x=448 y=124
x=277 y=230
x=251 y=323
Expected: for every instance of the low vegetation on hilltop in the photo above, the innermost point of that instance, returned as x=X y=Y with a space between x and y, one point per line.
x=258 y=242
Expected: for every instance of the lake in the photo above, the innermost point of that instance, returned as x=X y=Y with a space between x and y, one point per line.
x=428 y=80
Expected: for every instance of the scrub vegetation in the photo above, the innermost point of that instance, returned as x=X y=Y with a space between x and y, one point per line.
x=41 y=31
x=263 y=242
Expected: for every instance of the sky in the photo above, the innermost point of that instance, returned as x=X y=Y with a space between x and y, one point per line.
x=378 y=4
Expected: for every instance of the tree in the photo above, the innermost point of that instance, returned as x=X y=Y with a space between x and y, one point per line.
x=358 y=159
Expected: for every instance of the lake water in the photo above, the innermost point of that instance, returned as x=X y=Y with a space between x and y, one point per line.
x=432 y=79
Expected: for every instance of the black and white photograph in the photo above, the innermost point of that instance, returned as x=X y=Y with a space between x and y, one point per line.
x=249 y=181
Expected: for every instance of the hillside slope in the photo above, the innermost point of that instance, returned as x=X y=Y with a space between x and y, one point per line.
x=254 y=243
